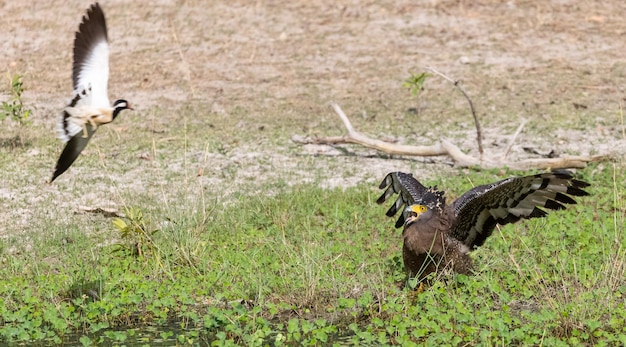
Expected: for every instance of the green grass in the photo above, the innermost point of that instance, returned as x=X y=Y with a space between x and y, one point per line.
x=316 y=267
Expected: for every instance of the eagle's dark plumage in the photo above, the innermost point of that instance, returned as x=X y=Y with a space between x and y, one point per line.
x=438 y=236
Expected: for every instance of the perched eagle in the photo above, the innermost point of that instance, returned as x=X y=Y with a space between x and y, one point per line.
x=439 y=236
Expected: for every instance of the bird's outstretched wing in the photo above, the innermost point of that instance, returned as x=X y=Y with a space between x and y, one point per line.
x=90 y=76
x=479 y=210
x=410 y=192
x=90 y=71
x=71 y=151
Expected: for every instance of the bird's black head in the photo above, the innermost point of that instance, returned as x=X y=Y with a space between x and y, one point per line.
x=120 y=105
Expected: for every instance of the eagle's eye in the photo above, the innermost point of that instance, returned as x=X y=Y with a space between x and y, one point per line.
x=418 y=209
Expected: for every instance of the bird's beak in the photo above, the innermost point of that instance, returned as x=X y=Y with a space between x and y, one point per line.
x=413 y=213
x=410 y=219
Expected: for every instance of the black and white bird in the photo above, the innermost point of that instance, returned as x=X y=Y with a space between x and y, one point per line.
x=90 y=106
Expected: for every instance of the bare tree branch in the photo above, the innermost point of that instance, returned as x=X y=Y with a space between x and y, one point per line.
x=457 y=83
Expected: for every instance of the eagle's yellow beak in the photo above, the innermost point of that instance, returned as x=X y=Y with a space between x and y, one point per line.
x=414 y=211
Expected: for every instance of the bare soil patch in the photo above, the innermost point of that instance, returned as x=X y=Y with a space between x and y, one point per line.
x=220 y=87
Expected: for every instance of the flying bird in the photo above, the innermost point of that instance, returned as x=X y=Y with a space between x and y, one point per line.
x=438 y=236
x=90 y=106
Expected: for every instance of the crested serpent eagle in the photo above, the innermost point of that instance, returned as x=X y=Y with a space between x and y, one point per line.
x=438 y=236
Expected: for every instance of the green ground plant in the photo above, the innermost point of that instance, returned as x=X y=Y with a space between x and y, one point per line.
x=415 y=85
x=134 y=232
x=14 y=108
x=415 y=82
x=322 y=267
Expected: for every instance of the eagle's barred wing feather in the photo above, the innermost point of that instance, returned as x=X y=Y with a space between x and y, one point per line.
x=479 y=210
x=410 y=191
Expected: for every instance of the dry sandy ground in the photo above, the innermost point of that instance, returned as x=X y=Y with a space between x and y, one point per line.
x=256 y=72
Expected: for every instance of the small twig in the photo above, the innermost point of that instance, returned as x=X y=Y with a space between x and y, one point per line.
x=621 y=116
x=513 y=138
x=457 y=83
x=182 y=58
x=517 y=267
x=344 y=118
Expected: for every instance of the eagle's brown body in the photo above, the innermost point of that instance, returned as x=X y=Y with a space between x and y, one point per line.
x=427 y=248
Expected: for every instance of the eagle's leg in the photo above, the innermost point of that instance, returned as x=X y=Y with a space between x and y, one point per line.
x=420 y=288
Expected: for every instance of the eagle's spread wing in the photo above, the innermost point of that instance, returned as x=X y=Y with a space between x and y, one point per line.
x=479 y=210
x=410 y=192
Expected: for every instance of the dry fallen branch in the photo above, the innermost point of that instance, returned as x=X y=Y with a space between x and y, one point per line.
x=445 y=147
x=360 y=139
